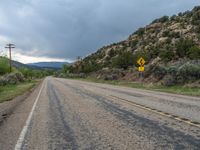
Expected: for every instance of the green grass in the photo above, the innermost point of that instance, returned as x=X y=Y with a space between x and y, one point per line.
x=4 y=65
x=9 y=92
x=177 y=89
x=194 y=91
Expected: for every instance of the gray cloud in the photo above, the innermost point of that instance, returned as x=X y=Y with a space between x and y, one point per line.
x=71 y=28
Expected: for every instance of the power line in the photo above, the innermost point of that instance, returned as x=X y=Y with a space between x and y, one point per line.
x=10 y=46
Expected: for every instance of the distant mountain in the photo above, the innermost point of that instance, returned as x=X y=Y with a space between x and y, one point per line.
x=17 y=64
x=48 y=64
x=38 y=65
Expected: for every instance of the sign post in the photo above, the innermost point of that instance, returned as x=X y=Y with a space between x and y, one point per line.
x=141 y=62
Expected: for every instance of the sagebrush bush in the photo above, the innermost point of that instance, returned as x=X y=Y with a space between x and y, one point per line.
x=140 y=31
x=167 y=55
x=189 y=71
x=172 y=70
x=162 y=19
x=194 y=52
x=159 y=72
x=123 y=60
x=183 y=46
x=196 y=17
x=169 y=80
x=12 y=78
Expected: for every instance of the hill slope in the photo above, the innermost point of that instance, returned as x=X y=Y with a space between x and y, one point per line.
x=5 y=63
x=166 y=42
x=17 y=64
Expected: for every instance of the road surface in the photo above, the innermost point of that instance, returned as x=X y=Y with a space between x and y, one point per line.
x=69 y=114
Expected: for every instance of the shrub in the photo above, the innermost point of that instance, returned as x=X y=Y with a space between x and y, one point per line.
x=133 y=43
x=189 y=71
x=66 y=68
x=19 y=76
x=182 y=46
x=73 y=75
x=123 y=60
x=174 y=35
x=194 y=52
x=112 y=53
x=88 y=67
x=159 y=72
x=197 y=29
x=26 y=72
x=168 y=41
x=188 y=14
x=12 y=78
x=162 y=19
x=172 y=70
x=2 y=81
x=168 y=80
x=154 y=52
x=196 y=18
x=166 y=33
x=171 y=34
x=173 y=18
x=140 y=31
x=34 y=73
x=196 y=8
x=167 y=55
x=110 y=77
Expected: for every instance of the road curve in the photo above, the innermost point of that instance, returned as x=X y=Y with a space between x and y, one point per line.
x=71 y=114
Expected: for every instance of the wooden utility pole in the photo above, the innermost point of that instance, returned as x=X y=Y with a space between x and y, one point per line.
x=10 y=46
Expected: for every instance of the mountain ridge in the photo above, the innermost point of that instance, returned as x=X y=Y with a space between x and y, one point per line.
x=51 y=64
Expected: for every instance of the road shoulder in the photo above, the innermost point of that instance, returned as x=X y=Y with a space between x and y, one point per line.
x=15 y=113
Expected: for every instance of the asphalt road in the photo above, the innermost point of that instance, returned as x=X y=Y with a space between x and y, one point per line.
x=68 y=114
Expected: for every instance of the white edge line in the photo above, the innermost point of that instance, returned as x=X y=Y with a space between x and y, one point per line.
x=20 y=140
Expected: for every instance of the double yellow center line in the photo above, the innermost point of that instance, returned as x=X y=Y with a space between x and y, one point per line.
x=185 y=120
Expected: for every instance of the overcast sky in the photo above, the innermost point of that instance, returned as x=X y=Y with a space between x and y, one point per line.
x=58 y=30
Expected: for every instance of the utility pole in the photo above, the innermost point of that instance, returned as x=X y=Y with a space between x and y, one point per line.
x=10 y=46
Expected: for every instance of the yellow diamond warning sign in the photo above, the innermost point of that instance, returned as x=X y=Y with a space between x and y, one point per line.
x=141 y=61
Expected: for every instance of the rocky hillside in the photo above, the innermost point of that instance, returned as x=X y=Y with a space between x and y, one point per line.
x=166 y=42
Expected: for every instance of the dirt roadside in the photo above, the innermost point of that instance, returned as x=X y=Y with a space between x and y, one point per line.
x=7 y=107
x=17 y=113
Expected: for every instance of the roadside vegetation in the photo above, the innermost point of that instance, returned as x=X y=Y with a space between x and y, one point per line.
x=174 y=79
x=9 y=92
x=19 y=80
x=176 y=89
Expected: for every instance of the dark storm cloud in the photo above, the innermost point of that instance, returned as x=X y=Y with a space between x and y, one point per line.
x=71 y=28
